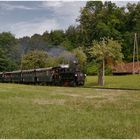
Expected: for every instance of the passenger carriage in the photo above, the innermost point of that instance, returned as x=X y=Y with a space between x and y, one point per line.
x=1 y=76
x=28 y=76
x=16 y=76
x=43 y=75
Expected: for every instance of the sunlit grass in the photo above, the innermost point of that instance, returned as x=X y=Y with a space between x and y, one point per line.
x=126 y=82
x=28 y=111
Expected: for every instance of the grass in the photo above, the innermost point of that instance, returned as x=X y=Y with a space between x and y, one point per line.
x=39 y=112
x=125 y=82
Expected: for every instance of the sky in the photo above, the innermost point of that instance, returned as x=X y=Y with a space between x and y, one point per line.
x=25 y=18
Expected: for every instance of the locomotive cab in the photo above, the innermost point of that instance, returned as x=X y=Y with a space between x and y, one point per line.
x=80 y=78
x=66 y=76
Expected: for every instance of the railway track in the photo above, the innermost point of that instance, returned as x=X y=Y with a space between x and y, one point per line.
x=116 y=89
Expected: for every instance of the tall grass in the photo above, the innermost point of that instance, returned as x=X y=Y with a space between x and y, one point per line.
x=60 y=112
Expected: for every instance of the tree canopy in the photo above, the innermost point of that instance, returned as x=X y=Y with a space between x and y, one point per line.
x=34 y=59
x=9 y=52
x=104 y=50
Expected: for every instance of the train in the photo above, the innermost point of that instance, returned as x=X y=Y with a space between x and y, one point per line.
x=61 y=75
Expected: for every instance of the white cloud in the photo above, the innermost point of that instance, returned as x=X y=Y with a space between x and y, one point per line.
x=10 y=6
x=64 y=7
x=52 y=4
x=65 y=10
x=21 y=29
x=60 y=15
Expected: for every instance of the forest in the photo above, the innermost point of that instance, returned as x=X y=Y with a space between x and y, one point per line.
x=96 y=21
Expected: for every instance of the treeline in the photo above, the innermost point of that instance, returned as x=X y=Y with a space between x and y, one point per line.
x=96 y=20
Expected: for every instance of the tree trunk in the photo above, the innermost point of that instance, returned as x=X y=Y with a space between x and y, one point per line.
x=101 y=74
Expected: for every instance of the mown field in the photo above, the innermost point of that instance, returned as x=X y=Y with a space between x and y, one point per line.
x=125 y=82
x=28 y=111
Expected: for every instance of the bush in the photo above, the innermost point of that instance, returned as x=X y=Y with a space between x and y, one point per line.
x=108 y=70
x=92 y=69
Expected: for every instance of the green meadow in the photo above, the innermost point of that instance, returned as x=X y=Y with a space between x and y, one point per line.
x=28 y=111
x=124 y=82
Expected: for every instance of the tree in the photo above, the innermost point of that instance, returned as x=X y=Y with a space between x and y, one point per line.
x=67 y=44
x=3 y=61
x=104 y=50
x=6 y=64
x=37 y=42
x=34 y=59
x=131 y=26
x=9 y=52
x=52 y=61
x=56 y=37
x=72 y=36
x=45 y=36
x=98 y=20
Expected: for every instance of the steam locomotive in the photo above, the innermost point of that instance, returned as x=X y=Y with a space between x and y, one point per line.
x=62 y=75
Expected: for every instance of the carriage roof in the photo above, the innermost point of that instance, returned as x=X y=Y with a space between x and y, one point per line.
x=44 y=69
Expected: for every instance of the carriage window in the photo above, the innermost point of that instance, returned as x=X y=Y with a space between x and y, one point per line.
x=49 y=72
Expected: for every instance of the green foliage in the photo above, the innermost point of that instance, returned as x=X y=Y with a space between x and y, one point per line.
x=73 y=36
x=91 y=69
x=56 y=37
x=52 y=61
x=132 y=26
x=9 y=52
x=103 y=51
x=106 y=49
x=7 y=40
x=34 y=59
x=3 y=60
x=108 y=70
x=45 y=36
x=98 y=20
x=67 y=44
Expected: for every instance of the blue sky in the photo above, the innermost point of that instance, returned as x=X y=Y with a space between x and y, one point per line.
x=25 y=18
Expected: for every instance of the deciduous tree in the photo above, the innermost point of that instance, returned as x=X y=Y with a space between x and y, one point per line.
x=34 y=59
x=103 y=50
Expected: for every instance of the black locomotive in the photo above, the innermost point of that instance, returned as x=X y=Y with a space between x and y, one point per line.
x=61 y=76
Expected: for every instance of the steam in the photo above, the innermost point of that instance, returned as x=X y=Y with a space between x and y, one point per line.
x=58 y=51
x=55 y=51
